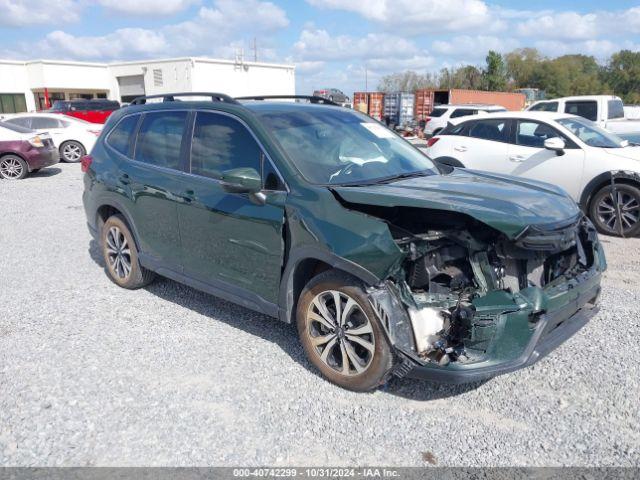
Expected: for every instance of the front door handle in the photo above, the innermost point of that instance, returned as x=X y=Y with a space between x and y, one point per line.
x=460 y=149
x=517 y=158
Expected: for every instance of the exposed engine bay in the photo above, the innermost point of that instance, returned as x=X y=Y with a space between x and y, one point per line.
x=450 y=265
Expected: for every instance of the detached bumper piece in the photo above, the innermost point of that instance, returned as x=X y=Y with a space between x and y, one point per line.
x=548 y=331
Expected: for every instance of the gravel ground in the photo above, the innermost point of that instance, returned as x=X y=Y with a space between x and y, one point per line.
x=91 y=374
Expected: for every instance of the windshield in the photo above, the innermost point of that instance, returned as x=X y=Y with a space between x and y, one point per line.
x=334 y=146
x=590 y=133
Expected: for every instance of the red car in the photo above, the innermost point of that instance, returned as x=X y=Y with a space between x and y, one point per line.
x=24 y=151
x=93 y=111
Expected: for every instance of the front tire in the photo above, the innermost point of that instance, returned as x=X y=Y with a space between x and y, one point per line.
x=121 y=255
x=13 y=167
x=604 y=210
x=341 y=334
x=72 y=151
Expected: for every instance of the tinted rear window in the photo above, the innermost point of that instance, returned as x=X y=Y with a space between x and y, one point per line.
x=160 y=139
x=545 y=107
x=616 y=109
x=120 y=136
x=463 y=112
x=437 y=112
x=15 y=128
x=587 y=109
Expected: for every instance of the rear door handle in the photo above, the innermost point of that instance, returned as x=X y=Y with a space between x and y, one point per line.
x=460 y=149
x=517 y=158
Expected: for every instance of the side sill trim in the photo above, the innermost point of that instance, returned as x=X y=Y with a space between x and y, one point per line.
x=219 y=289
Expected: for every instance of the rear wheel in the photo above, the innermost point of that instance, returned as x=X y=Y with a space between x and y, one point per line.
x=605 y=205
x=13 y=167
x=121 y=255
x=72 y=151
x=341 y=334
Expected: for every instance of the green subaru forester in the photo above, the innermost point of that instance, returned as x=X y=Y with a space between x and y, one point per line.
x=319 y=215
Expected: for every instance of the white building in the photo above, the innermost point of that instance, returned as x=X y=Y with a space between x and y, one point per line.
x=23 y=84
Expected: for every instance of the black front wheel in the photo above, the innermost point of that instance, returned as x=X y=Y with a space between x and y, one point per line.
x=617 y=210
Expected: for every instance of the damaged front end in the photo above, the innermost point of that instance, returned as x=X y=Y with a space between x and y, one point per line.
x=467 y=302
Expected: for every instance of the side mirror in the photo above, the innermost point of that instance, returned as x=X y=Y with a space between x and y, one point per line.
x=555 y=144
x=241 y=180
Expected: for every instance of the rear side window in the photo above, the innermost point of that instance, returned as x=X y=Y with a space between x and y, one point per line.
x=437 y=112
x=21 y=121
x=615 y=108
x=463 y=112
x=221 y=143
x=494 y=130
x=43 y=122
x=586 y=109
x=121 y=136
x=160 y=139
x=545 y=107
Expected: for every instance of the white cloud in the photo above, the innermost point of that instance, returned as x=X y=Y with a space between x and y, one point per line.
x=321 y=45
x=601 y=49
x=417 y=16
x=148 y=7
x=216 y=31
x=38 y=12
x=473 y=47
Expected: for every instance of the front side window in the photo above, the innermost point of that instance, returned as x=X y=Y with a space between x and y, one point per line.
x=463 y=112
x=43 y=122
x=533 y=134
x=160 y=139
x=331 y=146
x=221 y=143
x=120 y=137
x=586 y=109
x=494 y=130
x=590 y=133
x=615 y=108
x=544 y=107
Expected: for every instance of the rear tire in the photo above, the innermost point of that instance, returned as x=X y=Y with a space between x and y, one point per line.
x=603 y=211
x=121 y=255
x=13 y=167
x=72 y=151
x=352 y=352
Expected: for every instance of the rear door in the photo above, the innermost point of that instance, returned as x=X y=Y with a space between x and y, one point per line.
x=154 y=180
x=483 y=145
x=229 y=240
x=528 y=157
x=53 y=126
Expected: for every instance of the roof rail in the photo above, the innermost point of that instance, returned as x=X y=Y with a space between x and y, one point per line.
x=310 y=98
x=171 y=97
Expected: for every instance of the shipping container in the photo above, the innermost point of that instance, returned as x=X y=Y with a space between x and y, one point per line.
x=428 y=98
x=376 y=105
x=398 y=107
x=361 y=102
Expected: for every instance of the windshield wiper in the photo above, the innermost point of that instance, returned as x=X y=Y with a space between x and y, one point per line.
x=389 y=179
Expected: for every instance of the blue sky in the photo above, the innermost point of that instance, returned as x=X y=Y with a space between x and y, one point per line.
x=331 y=42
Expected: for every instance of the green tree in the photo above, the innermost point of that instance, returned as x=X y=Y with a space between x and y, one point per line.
x=522 y=64
x=623 y=75
x=495 y=73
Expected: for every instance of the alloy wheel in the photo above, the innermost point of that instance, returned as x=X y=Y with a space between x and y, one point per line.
x=629 y=211
x=72 y=152
x=118 y=253
x=340 y=332
x=11 y=168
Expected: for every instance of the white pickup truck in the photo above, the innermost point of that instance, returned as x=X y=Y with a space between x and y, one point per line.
x=606 y=110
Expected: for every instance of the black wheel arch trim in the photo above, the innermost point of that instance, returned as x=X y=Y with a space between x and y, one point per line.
x=116 y=205
x=602 y=180
x=286 y=301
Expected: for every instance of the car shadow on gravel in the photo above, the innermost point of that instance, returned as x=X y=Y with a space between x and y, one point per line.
x=274 y=331
x=45 y=172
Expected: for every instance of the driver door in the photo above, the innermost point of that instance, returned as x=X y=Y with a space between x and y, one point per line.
x=528 y=158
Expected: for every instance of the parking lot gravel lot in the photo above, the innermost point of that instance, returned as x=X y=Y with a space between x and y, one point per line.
x=91 y=374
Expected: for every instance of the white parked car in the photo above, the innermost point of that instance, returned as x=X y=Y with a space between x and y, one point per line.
x=440 y=115
x=605 y=110
x=73 y=137
x=566 y=150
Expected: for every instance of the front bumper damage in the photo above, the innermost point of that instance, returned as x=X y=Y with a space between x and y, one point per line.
x=507 y=329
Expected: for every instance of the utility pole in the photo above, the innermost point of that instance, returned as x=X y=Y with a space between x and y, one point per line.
x=255 y=49
x=366 y=81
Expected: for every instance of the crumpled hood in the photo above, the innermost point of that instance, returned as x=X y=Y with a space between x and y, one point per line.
x=508 y=204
